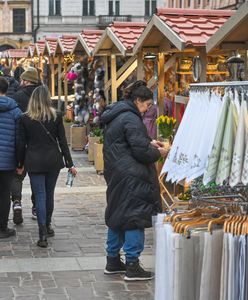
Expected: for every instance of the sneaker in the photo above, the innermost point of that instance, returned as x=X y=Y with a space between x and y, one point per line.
x=7 y=232
x=50 y=231
x=136 y=273
x=17 y=212
x=114 y=265
x=34 y=215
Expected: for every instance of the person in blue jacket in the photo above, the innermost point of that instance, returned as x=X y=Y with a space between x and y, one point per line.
x=9 y=119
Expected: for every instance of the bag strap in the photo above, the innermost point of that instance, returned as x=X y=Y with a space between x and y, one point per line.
x=49 y=134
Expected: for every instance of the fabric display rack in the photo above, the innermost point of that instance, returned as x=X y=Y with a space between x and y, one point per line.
x=202 y=254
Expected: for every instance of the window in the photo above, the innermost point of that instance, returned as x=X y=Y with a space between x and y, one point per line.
x=88 y=7
x=117 y=8
x=111 y=8
x=150 y=7
x=54 y=8
x=19 y=17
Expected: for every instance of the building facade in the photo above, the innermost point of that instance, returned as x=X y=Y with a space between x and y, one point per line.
x=56 y=17
x=16 y=24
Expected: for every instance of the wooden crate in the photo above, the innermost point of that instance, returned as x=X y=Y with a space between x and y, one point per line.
x=78 y=136
x=98 y=157
x=67 y=126
x=92 y=140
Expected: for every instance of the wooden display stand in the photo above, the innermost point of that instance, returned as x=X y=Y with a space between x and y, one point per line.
x=98 y=158
x=78 y=137
x=92 y=140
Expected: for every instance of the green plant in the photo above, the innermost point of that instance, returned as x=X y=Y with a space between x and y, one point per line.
x=67 y=120
x=96 y=132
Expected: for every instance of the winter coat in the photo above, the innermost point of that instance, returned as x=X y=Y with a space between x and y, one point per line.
x=23 y=95
x=38 y=151
x=133 y=189
x=9 y=119
x=13 y=86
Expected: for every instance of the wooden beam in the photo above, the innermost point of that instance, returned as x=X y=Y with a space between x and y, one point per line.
x=52 y=76
x=113 y=78
x=59 y=81
x=65 y=86
x=203 y=56
x=105 y=61
x=128 y=72
x=120 y=71
x=140 y=67
x=160 y=83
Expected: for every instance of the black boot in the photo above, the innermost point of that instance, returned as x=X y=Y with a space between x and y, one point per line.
x=42 y=242
x=136 y=272
x=114 y=265
x=50 y=231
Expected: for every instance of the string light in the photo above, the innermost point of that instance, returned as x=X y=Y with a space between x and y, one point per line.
x=69 y=58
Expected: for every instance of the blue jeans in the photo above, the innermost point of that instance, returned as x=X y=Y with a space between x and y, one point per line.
x=132 y=242
x=43 y=185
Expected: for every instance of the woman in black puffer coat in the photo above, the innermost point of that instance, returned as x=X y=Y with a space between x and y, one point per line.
x=133 y=189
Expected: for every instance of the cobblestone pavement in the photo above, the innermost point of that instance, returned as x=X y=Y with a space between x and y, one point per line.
x=72 y=266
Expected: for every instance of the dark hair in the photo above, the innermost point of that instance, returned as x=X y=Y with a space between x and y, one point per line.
x=141 y=92
x=129 y=89
x=101 y=94
x=4 y=85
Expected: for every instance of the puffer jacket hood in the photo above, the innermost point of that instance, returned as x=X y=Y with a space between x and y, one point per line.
x=7 y=103
x=114 y=110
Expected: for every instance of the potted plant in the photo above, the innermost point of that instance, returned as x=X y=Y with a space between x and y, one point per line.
x=78 y=136
x=94 y=137
x=98 y=156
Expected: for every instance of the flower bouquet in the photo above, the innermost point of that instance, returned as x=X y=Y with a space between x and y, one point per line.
x=166 y=126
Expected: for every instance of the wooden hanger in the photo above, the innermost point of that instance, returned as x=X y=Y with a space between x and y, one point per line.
x=218 y=221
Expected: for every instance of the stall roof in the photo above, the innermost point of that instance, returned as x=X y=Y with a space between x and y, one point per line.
x=50 y=46
x=39 y=48
x=65 y=44
x=87 y=40
x=122 y=35
x=182 y=28
x=31 y=50
x=16 y=53
x=234 y=33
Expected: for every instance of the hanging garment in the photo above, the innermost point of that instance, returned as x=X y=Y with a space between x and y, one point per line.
x=198 y=164
x=212 y=164
x=211 y=269
x=242 y=267
x=193 y=140
x=226 y=154
x=182 y=131
x=224 y=269
x=239 y=147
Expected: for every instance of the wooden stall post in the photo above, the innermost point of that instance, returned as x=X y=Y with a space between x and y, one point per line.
x=203 y=56
x=59 y=81
x=105 y=61
x=65 y=86
x=52 y=76
x=140 y=67
x=160 y=83
x=113 y=78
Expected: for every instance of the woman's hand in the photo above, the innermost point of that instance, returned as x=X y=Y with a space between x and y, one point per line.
x=19 y=171
x=73 y=170
x=163 y=151
x=156 y=144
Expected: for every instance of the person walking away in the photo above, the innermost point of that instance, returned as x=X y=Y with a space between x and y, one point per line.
x=29 y=82
x=42 y=150
x=133 y=195
x=13 y=84
x=18 y=72
x=9 y=116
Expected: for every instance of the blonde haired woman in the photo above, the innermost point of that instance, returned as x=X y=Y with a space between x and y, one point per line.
x=43 y=151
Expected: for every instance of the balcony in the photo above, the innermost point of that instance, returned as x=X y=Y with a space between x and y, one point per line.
x=105 y=20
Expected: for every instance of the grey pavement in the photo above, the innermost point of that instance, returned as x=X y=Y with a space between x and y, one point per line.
x=72 y=266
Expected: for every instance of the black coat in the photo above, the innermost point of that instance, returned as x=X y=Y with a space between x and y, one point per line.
x=37 y=151
x=129 y=170
x=13 y=86
x=23 y=95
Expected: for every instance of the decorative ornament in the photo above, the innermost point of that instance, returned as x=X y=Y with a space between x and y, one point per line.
x=197 y=68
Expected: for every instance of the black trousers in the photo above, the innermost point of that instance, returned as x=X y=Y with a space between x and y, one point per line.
x=16 y=187
x=5 y=184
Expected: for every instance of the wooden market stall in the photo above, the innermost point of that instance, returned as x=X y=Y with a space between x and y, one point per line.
x=63 y=53
x=175 y=36
x=49 y=50
x=233 y=35
x=118 y=40
x=38 y=54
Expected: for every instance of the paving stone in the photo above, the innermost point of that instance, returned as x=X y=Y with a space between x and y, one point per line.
x=83 y=293
x=131 y=295
x=102 y=288
x=49 y=291
x=48 y=284
x=6 y=292
x=27 y=290
x=33 y=297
